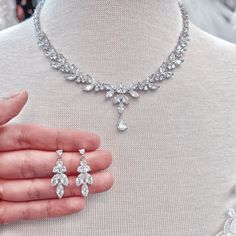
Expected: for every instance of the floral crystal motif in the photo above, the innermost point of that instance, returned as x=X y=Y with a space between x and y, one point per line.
x=84 y=178
x=59 y=179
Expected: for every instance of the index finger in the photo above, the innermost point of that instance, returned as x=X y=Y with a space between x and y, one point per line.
x=17 y=137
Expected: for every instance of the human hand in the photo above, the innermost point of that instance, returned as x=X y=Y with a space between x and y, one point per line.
x=27 y=157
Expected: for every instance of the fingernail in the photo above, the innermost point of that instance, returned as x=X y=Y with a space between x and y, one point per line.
x=13 y=95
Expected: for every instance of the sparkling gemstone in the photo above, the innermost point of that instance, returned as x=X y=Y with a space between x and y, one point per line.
x=89 y=87
x=231 y=213
x=125 y=99
x=60 y=152
x=122 y=125
x=109 y=94
x=178 y=62
x=89 y=179
x=64 y=179
x=82 y=151
x=55 y=180
x=122 y=88
x=83 y=168
x=134 y=94
x=80 y=179
x=153 y=86
x=97 y=88
x=55 y=65
x=67 y=67
x=121 y=108
x=85 y=190
x=71 y=77
x=117 y=99
x=60 y=190
x=59 y=168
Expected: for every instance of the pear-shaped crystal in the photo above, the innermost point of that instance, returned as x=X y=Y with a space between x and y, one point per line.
x=122 y=125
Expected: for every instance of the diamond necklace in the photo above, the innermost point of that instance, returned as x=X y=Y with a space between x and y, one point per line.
x=119 y=94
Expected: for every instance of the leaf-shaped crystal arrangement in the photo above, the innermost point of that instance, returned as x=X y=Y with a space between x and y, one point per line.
x=119 y=94
x=59 y=179
x=84 y=178
x=230 y=225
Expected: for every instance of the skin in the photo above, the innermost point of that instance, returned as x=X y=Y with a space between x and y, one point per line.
x=27 y=156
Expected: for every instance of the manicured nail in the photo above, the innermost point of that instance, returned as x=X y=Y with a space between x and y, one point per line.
x=13 y=95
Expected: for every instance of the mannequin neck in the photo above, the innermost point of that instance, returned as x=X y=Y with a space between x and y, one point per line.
x=118 y=33
x=164 y=15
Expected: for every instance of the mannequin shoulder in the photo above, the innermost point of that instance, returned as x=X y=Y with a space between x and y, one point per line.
x=18 y=41
x=211 y=50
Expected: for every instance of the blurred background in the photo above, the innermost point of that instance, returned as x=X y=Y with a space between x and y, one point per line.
x=217 y=17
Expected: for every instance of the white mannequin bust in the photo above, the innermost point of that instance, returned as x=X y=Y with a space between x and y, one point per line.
x=175 y=166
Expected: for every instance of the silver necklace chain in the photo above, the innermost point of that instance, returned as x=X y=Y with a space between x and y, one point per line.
x=119 y=94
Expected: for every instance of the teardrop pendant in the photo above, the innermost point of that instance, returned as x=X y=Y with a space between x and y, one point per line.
x=122 y=125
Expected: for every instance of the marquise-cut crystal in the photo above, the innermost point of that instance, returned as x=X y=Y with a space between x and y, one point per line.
x=64 y=179
x=71 y=77
x=85 y=190
x=55 y=180
x=89 y=179
x=153 y=86
x=60 y=190
x=134 y=94
x=80 y=179
x=89 y=87
x=55 y=65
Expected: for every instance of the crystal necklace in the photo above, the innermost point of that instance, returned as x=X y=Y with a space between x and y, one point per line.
x=119 y=94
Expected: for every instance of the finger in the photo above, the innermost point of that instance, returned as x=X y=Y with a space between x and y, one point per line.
x=39 y=209
x=11 y=106
x=37 y=189
x=15 y=137
x=28 y=164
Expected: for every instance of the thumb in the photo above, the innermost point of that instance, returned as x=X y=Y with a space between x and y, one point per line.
x=12 y=105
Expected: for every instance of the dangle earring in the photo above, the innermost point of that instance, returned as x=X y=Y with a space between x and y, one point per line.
x=59 y=179
x=84 y=178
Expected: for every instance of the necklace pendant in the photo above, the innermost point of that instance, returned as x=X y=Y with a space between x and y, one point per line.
x=122 y=125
